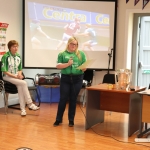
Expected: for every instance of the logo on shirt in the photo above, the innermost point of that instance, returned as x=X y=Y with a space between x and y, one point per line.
x=18 y=60
x=67 y=57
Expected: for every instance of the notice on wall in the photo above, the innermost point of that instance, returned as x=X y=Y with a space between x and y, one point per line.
x=3 y=31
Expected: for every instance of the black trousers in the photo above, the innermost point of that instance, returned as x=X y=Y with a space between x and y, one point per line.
x=70 y=86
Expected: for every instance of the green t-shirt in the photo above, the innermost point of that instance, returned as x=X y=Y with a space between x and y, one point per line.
x=11 y=63
x=63 y=57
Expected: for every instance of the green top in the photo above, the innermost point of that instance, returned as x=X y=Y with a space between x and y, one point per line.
x=11 y=63
x=63 y=57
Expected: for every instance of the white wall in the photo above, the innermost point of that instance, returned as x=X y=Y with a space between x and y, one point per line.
x=11 y=12
x=124 y=30
x=124 y=34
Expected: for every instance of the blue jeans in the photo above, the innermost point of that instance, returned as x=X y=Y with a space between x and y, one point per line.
x=70 y=86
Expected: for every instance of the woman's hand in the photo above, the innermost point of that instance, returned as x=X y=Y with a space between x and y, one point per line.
x=84 y=69
x=70 y=62
x=19 y=76
x=65 y=65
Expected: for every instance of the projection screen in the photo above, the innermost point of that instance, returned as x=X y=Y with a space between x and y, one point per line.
x=45 y=35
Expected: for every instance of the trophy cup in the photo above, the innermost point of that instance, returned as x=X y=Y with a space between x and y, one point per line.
x=123 y=78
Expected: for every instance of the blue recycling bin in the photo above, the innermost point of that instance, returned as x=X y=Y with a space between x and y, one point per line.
x=49 y=94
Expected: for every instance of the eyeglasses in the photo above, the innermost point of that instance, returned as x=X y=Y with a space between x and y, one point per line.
x=72 y=44
x=15 y=46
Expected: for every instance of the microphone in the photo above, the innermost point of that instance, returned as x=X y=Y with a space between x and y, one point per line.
x=71 y=58
x=110 y=54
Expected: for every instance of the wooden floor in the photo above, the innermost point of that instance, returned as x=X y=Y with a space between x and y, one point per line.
x=36 y=131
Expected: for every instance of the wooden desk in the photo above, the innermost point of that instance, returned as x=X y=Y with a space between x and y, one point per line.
x=145 y=115
x=100 y=98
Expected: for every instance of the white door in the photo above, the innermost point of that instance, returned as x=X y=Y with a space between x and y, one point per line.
x=144 y=53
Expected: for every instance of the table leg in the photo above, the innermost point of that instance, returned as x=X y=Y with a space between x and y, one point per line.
x=134 y=113
x=93 y=113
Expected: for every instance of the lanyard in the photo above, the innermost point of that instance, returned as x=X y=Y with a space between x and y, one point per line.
x=13 y=69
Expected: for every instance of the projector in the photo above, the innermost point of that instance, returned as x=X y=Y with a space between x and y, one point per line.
x=52 y=79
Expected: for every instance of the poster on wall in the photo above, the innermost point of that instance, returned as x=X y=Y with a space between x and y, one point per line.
x=3 y=30
x=145 y=3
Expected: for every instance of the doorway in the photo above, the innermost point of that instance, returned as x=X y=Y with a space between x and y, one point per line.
x=141 y=50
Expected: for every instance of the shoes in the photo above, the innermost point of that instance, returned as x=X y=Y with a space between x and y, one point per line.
x=33 y=107
x=71 y=123
x=23 y=112
x=56 y=123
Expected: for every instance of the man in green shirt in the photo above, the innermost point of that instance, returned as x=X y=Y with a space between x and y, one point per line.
x=71 y=79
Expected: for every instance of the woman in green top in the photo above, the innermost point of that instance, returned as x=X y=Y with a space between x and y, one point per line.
x=71 y=79
x=12 y=72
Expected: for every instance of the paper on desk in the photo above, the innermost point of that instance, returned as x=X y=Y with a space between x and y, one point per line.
x=146 y=92
x=86 y=64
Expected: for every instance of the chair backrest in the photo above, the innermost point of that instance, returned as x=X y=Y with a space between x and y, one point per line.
x=1 y=86
x=9 y=87
x=109 y=78
x=88 y=76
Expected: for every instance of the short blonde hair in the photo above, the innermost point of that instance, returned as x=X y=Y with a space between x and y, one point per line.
x=76 y=51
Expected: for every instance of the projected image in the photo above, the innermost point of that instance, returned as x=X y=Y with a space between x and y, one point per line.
x=36 y=29
x=69 y=30
x=52 y=26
